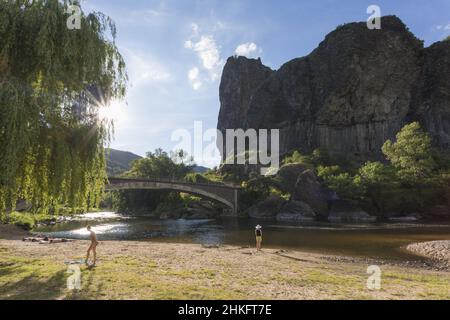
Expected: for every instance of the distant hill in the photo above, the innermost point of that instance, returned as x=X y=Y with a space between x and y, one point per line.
x=200 y=169
x=117 y=162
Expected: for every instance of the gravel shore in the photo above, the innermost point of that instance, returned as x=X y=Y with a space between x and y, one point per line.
x=436 y=250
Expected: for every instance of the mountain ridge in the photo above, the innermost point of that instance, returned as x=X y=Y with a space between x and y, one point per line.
x=118 y=161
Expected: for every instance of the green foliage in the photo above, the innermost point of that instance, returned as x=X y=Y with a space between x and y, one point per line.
x=380 y=184
x=347 y=186
x=54 y=80
x=325 y=172
x=376 y=174
x=156 y=165
x=321 y=157
x=415 y=178
x=23 y=220
x=27 y=220
x=213 y=176
x=411 y=154
x=257 y=189
x=297 y=157
x=161 y=165
x=274 y=191
x=194 y=177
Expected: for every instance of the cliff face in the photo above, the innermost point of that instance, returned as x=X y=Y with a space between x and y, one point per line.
x=241 y=78
x=350 y=95
x=430 y=102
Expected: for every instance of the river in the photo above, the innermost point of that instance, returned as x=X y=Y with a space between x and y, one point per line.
x=385 y=241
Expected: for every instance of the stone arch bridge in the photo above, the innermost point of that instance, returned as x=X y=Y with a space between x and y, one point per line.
x=225 y=194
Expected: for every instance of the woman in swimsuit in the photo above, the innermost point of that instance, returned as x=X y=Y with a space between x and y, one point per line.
x=258 y=234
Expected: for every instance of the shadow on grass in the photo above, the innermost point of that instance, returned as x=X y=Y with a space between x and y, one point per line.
x=8 y=268
x=89 y=290
x=25 y=279
x=34 y=288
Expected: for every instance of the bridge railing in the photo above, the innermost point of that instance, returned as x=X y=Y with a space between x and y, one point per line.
x=159 y=180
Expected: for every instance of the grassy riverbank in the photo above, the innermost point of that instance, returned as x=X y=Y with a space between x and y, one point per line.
x=29 y=220
x=142 y=270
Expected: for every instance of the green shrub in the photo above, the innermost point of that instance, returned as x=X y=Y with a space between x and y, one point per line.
x=26 y=220
x=325 y=172
x=297 y=157
x=196 y=178
x=411 y=154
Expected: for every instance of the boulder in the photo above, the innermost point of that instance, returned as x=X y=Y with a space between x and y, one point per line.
x=288 y=175
x=23 y=205
x=309 y=190
x=267 y=209
x=298 y=207
x=296 y=211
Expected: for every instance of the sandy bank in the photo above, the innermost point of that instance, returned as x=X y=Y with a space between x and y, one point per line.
x=149 y=270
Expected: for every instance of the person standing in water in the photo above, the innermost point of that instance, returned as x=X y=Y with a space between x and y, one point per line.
x=258 y=234
x=92 y=247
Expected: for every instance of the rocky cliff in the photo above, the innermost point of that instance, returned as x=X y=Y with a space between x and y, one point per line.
x=241 y=78
x=350 y=95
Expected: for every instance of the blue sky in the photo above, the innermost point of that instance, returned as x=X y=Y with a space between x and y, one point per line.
x=175 y=51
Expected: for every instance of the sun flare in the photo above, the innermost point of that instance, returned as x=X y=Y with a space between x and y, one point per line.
x=115 y=111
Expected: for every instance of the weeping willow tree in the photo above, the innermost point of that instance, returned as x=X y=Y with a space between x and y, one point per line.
x=53 y=81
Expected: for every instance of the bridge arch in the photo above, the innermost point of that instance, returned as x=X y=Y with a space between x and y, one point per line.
x=227 y=195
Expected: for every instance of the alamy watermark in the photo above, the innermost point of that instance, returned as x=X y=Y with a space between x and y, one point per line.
x=374 y=21
x=74 y=19
x=235 y=147
x=74 y=280
x=374 y=280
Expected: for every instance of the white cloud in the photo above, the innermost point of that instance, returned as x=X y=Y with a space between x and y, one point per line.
x=193 y=73
x=248 y=49
x=442 y=27
x=193 y=77
x=208 y=53
x=197 y=85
